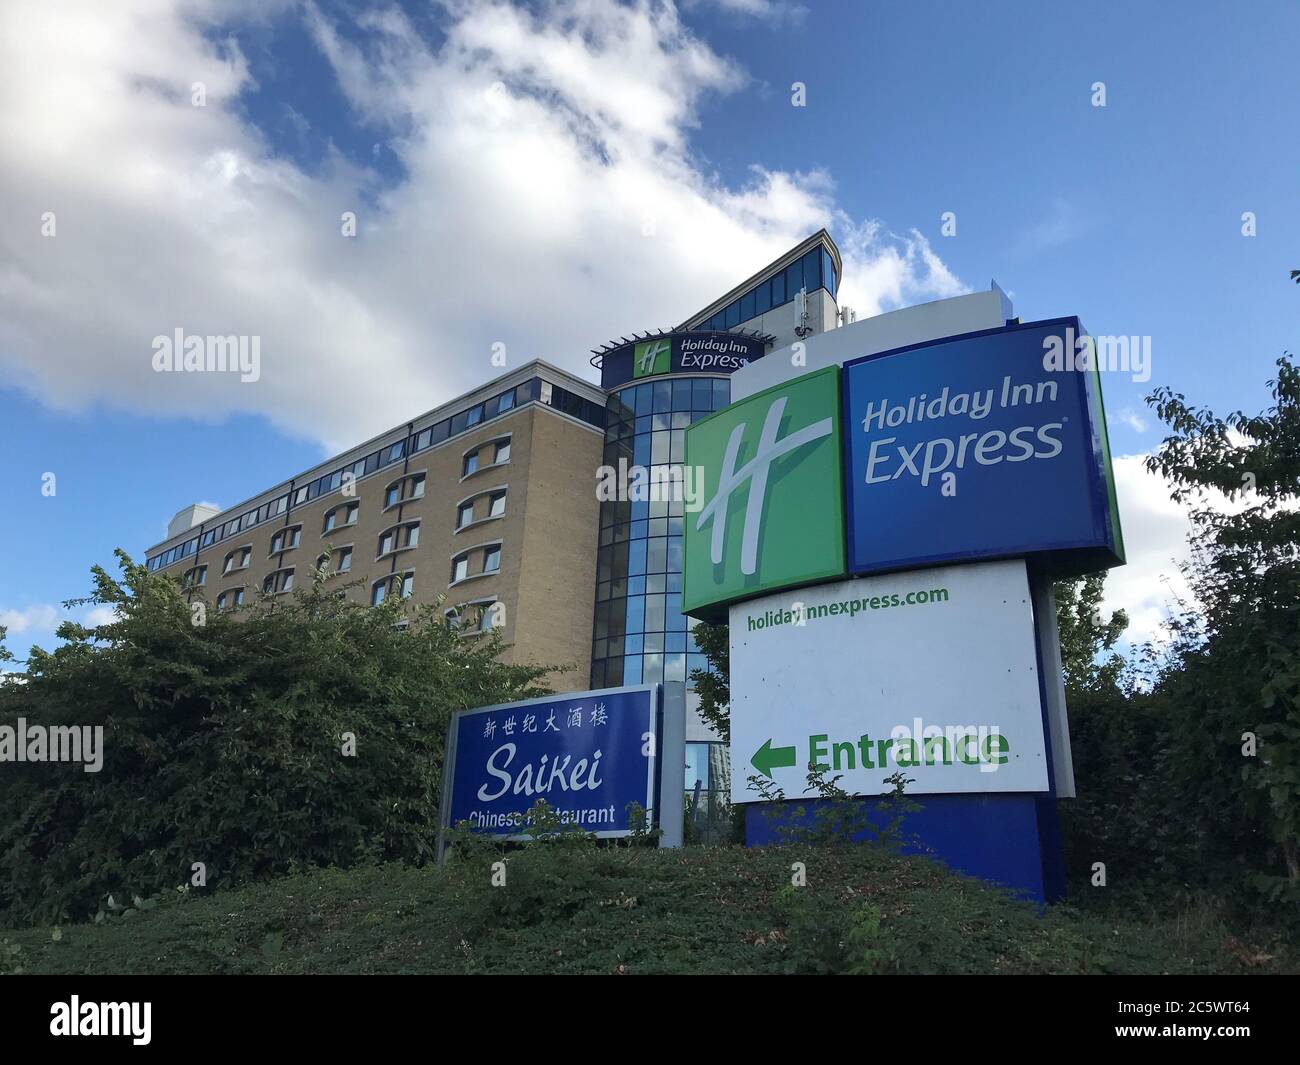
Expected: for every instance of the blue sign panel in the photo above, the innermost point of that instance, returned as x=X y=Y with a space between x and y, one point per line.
x=986 y=445
x=589 y=755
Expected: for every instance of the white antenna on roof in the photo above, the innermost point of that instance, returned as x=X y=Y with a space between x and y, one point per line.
x=801 y=312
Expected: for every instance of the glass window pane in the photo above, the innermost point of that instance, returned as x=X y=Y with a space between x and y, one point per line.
x=631 y=669
x=656 y=555
x=654 y=613
x=812 y=269
x=763 y=297
x=779 y=294
x=635 y=614
x=793 y=278
x=682 y=395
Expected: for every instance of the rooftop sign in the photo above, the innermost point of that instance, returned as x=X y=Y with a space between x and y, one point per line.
x=679 y=352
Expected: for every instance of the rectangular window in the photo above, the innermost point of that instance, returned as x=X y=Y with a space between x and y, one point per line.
x=763 y=298
x=466 y=515
x=747 y=306
x=378 y=593
x=343 y=560
x=412 y=536
x=395 y=451
x=498 y=505
x=503 y=452
x=460 y=568
x=422 y=440
x=492 y=559
x=779 y=295
x=505 y=402
x=732 y=315
x=408 y=584
x=387 y=542
x=470 y=464
x=793 y=278
x=393 y=496
x=486 y=617
x=417 y=486
x=812 y=270
x=286 y=584
x=474 y=415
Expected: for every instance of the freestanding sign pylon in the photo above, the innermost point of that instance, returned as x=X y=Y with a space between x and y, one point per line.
x=882 y=534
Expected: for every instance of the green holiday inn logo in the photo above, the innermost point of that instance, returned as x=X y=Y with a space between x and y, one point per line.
x=652 y=357
x=773 y=507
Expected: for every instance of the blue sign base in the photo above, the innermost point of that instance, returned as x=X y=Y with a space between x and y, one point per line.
x=1012 y=839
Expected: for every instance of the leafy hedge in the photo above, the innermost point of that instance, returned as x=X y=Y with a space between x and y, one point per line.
x=225 y=742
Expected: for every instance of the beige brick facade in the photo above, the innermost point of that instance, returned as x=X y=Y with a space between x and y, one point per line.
x=537 y=508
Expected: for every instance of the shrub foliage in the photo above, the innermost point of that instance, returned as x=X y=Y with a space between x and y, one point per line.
x=225 y=741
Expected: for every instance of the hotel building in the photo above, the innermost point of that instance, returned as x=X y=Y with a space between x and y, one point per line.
x=490 y=502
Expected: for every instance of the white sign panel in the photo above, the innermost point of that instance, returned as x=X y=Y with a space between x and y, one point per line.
x=931 y=673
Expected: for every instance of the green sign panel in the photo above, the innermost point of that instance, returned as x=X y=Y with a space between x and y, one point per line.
x=771 y=512
x=652 y=357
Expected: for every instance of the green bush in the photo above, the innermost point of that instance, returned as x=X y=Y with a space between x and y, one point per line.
x=224 y=742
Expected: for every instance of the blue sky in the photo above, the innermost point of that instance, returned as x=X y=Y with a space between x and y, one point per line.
x=504 y=163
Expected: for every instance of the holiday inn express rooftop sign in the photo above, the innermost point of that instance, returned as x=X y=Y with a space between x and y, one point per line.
x=980 y=446
x=682 y=351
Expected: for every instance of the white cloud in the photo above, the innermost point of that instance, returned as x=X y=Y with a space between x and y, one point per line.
x=774 y=11
x=1155 y=538
x=539 y=147
x=100 y=615
x=1133 y=420
x=40 y=617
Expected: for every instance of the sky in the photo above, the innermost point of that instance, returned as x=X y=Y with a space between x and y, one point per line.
x=548 y=176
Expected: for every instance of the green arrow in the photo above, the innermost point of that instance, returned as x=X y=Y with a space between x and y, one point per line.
x=767 y=758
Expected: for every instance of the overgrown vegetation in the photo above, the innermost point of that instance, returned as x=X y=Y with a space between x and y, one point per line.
x=1189 y=765
x=307 y=732
x=570 y=908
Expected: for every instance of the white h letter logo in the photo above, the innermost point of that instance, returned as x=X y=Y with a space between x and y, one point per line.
x=755 y=471
x=648 y=356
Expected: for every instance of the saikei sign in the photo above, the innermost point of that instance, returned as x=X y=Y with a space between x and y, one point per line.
x=680 y=352
x=979 y=446
x=956 y=450
x=591 y=756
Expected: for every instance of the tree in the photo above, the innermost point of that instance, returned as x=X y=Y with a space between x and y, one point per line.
x=713 y=685
x=1088 y=639
x=305 y=730
x=1233 y=691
